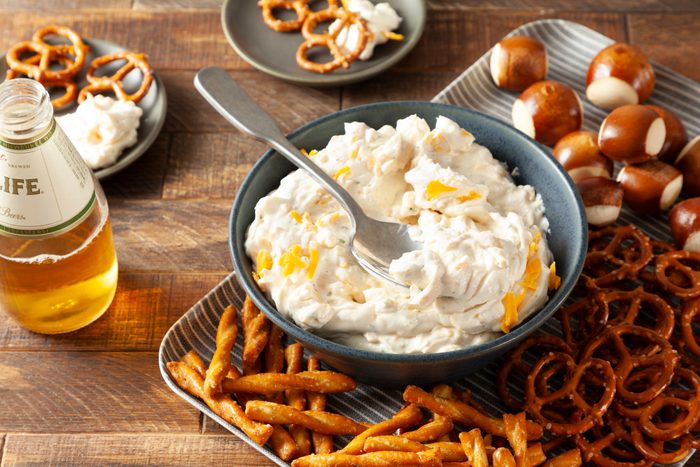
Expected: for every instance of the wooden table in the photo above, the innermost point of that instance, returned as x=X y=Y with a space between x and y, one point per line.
x=96 y=396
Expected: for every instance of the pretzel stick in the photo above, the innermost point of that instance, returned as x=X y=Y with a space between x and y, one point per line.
x=431 y=431
x=449 y=451
x=322 y=422
x=296 y=398
x=464 y=413
x=256 y=333
x=473 y=445
x=392 y=443
x=194 y=361
x=408 y=416
x=502 y=457
x=568 y=459
x=283 y=444
x=225 y=407
x=323 y=444
x=221 y=361
x=446 y=392
x=327 y=382
x=372 y=459
x=515 y=432
x=273 y=358
x=453 y=452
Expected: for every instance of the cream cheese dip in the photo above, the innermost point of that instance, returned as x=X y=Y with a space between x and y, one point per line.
x=101 y=128
x=485 y=265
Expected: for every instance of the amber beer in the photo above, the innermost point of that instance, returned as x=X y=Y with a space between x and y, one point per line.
x=58 y=266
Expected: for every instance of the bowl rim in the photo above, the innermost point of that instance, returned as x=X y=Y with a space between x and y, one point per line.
x=332 y=347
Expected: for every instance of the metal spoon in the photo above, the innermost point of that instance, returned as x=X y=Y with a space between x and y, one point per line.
x=375 y=244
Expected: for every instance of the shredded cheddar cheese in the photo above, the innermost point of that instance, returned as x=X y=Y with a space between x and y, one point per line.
x=554 y=280
x=435 y=188
x=533 y=268
x=263 y=261
x=313 y=263
x=354 y=152
x=511 y=303
x=341 y=171
x=295 y=215
x=291 y=260
x=393 y=36
x=469 y=196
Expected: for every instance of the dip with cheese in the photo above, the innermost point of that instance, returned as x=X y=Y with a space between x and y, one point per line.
x=101 y=128
x=485 y=265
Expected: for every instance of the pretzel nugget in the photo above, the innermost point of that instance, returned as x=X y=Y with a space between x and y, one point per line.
x=322 y=422
x=221 y=361
x=431 y=431
x=194 y=361
x=296 y=398
x=473 y=445
x=327 y=382
x=256 y=333
x=515 y=432
x=568 y=459
x=190 y=381
x=464 y=413
x=372 y=459
x=323 y=444
x=392 y=443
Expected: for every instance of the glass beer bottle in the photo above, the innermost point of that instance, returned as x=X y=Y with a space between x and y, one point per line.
x=58 y=266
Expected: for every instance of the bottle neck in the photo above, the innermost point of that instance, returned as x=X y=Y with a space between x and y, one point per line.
x=26 y=112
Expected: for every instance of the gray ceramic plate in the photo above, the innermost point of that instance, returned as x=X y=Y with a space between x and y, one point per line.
x=274 y=52
x=154 y=106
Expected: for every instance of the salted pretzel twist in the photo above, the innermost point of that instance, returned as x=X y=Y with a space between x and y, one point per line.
x=328 y=40
x=114 y=82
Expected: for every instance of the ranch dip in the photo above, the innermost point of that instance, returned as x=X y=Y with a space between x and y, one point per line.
x=485 y=265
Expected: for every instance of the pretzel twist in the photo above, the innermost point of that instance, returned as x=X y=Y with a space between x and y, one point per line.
x=673 y=262
x=299 y=7
x=659 y=354
x=616 y=253
x=328 y=40
x=114 y=82
x=592 y=413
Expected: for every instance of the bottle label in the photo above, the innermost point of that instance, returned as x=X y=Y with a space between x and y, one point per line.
x=45 y=187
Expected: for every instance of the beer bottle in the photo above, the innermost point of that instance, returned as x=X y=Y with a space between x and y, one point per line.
x=58 y=266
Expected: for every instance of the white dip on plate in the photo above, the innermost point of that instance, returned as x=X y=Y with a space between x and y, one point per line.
x=101 y=128
x=485 y=265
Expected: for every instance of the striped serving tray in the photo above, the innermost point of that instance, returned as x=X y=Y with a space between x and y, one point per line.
x=571 y=47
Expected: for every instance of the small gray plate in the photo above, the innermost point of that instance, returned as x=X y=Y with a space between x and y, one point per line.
x=275 y=52
x=154 y=105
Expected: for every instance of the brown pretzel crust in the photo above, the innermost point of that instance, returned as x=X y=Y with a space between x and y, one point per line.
x=114 y=82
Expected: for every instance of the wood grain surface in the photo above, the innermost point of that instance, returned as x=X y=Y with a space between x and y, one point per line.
x=95 y=396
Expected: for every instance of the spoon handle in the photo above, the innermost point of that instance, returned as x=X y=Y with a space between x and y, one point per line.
x=229 y=99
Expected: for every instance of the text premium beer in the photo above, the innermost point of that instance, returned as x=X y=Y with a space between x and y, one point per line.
x=58 y=266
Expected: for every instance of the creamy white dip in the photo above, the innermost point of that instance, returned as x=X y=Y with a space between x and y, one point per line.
x=485 y=265
x=381 y=20
x=101 y=128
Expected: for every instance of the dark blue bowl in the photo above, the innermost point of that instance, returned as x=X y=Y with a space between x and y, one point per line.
x=567 y=238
